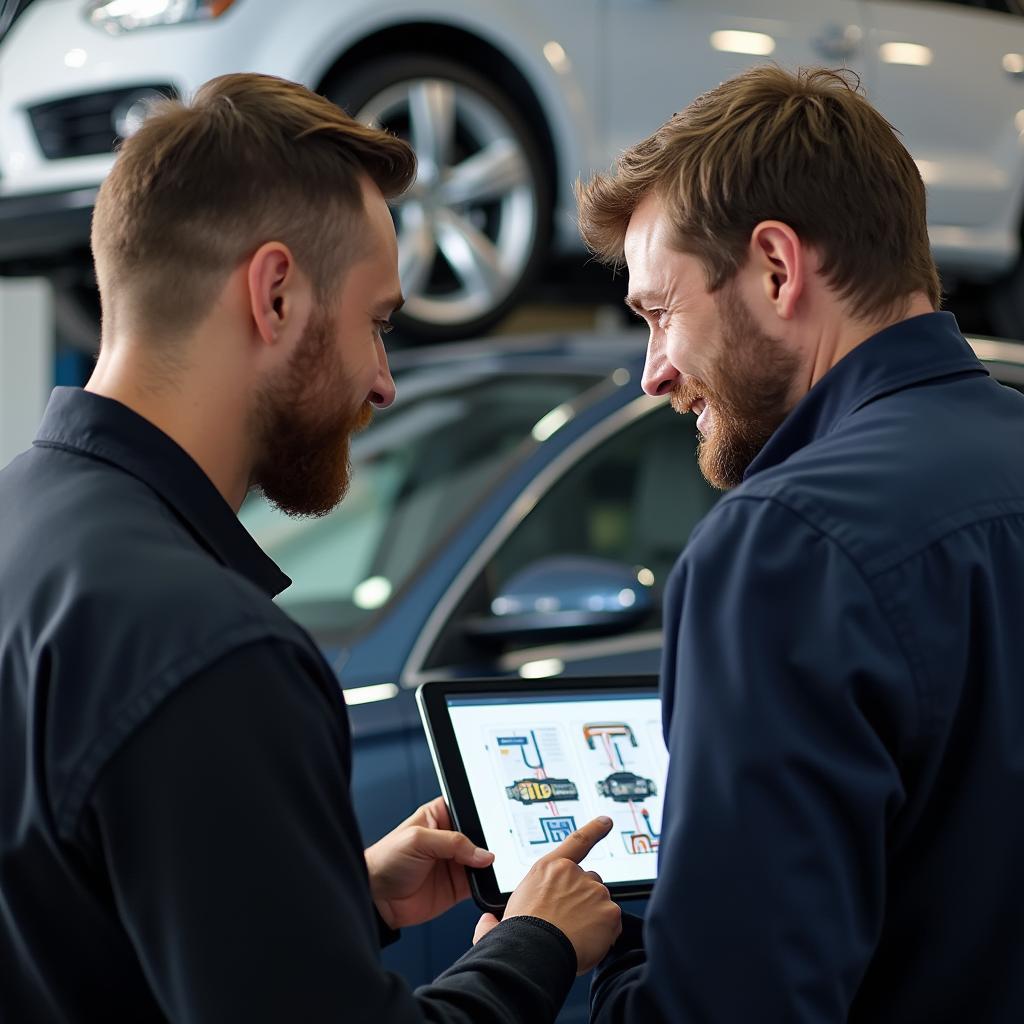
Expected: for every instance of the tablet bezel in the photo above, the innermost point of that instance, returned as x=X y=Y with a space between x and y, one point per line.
x=431 y=699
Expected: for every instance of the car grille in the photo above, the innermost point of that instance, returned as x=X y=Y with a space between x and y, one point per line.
x=93 y=123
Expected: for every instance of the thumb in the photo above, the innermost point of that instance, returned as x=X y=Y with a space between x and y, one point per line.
x=442 y=845
x=487 y=923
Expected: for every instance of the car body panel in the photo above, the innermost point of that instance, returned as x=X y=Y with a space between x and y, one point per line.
x=675 y=42
x=968 y=148
x=604 y=72
x=275 y=39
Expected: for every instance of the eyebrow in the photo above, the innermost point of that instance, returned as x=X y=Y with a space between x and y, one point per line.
x=638 y=301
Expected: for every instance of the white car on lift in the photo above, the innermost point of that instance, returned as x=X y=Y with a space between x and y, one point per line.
x=507 y=102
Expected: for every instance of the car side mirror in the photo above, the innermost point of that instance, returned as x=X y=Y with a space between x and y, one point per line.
x=564 y=598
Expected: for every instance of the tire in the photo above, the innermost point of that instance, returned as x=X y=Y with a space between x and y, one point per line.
x=475 y=226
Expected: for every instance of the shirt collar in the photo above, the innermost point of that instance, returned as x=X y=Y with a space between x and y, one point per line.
x=81 y=421
x=919 y=349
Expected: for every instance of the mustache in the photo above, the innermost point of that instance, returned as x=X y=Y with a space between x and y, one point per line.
x=687 y=391
x=363 y=418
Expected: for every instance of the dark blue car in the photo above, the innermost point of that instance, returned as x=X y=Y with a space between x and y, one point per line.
x=515 y=513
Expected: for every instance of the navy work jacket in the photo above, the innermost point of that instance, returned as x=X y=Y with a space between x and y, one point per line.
x=177 y=838
x=843 y=686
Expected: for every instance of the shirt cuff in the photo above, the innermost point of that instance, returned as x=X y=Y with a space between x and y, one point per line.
x=630 y=940
x=525 y=921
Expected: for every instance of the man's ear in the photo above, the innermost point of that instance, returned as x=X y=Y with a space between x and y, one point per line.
x=780 y=259
x=277 y=293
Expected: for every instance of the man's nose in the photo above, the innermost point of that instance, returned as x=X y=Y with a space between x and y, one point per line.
x=660 y=375
x=383 y=393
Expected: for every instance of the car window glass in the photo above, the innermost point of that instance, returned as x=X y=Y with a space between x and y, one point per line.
x=633 y=500
x=416 y=470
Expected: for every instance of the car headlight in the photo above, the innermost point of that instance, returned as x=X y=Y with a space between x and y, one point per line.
x=124 y=15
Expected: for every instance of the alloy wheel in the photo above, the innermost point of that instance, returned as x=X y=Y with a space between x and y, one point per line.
x=467 y=226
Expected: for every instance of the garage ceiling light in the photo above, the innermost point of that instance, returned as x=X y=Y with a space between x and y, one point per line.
x=552 y=422
x=542 y=669
x=372 y=593
x=732 y=41
x=913 y=54
x=1013 y=63
x=556 y=56
x=369 y=694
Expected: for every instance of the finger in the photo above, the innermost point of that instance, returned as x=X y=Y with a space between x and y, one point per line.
x=487 y=923
x=433 y=814
x=459 y=883
x=451 y=846
x=583 y=840
x=437 y=813
x=597 y=878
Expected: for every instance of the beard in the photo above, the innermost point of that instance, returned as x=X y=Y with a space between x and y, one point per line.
x=749 y=394
x=303 y=428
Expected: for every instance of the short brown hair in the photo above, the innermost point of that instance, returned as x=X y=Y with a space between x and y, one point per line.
x=806 y=149
x=202 y=185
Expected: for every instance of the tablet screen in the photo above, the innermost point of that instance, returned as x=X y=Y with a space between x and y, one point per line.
x=540 y=765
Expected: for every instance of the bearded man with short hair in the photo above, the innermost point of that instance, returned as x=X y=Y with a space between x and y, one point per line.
x=177 y=836
x=844 y=659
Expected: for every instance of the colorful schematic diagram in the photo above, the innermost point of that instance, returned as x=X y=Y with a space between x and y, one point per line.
x=536 y=791
x=623 y=786
x=536 y=781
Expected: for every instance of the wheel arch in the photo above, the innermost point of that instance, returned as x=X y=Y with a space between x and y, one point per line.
x=467 y=48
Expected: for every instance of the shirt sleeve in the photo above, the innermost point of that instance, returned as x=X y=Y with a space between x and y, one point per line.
x=226 y=828
x=787 y=702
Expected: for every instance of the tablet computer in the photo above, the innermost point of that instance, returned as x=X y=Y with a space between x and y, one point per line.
x=523 y=764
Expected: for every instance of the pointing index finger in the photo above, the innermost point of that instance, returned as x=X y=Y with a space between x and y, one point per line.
x=583 y=840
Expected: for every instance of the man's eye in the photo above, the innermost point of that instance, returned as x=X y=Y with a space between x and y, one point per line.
x=384 y=326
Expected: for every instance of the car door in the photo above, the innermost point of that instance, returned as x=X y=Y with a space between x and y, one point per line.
x=661 y=54
x=950 y=77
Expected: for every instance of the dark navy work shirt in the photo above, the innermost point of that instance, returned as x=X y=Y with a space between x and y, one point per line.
x=177 y=840
x=843 y=686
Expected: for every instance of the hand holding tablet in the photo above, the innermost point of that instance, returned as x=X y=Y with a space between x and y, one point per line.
x=416 y=870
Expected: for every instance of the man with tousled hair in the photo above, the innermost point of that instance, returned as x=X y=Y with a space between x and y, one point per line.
x=177 y=838
x=844 y=658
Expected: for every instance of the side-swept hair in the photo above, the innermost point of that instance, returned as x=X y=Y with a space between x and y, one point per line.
x=806 y=149
x=202 y=185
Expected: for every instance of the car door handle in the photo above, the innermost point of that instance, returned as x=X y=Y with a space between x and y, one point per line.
x=838 y=42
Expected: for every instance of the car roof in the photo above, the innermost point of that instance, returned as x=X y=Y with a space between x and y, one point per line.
x=602 y=353
x=577 y=350
x=1006 y=358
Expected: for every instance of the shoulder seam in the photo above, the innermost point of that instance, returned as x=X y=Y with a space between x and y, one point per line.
x=84 y=775
x=915 y=672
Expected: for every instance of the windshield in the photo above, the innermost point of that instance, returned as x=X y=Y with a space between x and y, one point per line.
x=415 y=471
